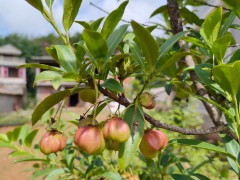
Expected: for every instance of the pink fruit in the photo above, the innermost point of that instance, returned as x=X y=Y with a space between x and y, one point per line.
x=152 y=142
x=52 y=142
x=116 y=129
x=89 y=139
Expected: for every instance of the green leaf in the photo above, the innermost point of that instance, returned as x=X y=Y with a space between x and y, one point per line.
x=113 y=85
x=227 y=24
x=233 y=148
x=204 y=73
x=49 y=3
x=174 y=58
x=49 y=102
x=95 y=43
x=148 y=44
x=95 y=24
x=165 y=47
x=235 y=56
x=47 y=76
x=84 y=24
x=201 y=144
x=210 y=28
x=36 y=4
x=137 y=56
x=41 y=66
x=195 y=41
x=16 y=133
x=181 y=177
x=234 y=5
x=55 y=173
x=225 y=75
x=115 y=38
x=64 y=55
x=3 y=137
x=200 y=176
x=220 y=47
x=30 y=137
x=190 y=16
x=112 y=176
x=129 y=149
x=112 y=20
x=70 y=11
x=159 y=10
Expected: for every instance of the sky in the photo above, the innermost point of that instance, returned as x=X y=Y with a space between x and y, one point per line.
x=17 y=16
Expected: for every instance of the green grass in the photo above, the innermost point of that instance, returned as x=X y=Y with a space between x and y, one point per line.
x=15 y=117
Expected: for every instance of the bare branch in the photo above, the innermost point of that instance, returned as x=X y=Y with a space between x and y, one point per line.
x=123 y=20
x=211 y=5
x=123 y=101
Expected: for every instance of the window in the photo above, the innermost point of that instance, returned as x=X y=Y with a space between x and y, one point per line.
x=12 y=72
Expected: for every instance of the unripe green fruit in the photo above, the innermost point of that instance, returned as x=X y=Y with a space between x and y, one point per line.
x=152 y=142
x=89 y=139
x=147 y=100
x=88 y=95
x=116 y=129
x=52 y=142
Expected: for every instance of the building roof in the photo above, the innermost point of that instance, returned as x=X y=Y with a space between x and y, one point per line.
x=9 y=49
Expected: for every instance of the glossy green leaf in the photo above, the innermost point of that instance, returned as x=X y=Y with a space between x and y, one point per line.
x=70 y=11
x=64 y=55
x=235 y=56
x=95 y=24
x=36 y=4
x=201 y=144
x=41 y=66
x=225 y=75
x=112 y=176
x=234 y=5
x=30 y=137
x=84 y=24
x=95 y=43
x=148 y=44
x=3 y=137
x=211 y=26
x=16 y=133
x=227 y=24
x=195 y=41
x=128 y=150
x=115 y=38
x=113 y=19
x=165 y=47
x=49 y=102
x=113 y=85
x=47 y=76
x=220 y=46
x=232 y=147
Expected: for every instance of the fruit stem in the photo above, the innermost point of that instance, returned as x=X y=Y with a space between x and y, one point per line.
x=96 y=94
x=60 y=113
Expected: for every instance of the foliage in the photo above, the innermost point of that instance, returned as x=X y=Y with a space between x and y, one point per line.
x=107 y=56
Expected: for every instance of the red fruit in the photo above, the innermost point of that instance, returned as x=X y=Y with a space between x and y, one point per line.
x=147 y=100
x=152 y=142
x=52 y=142
x=89 y=139
x=116 y=129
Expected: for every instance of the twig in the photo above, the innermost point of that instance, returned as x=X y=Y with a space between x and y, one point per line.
x=211 y=5
x=123 y=20
x=158 y=124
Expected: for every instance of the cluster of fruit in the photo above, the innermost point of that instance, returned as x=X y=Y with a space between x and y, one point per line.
x=93 y=139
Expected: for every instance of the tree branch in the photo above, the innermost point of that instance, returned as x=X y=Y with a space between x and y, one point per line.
x=123 y=101
x=211 y=5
